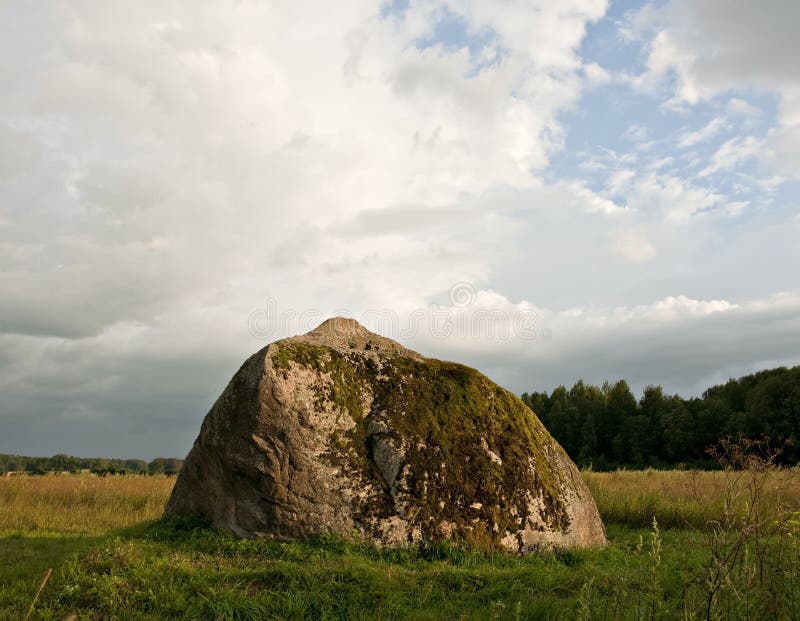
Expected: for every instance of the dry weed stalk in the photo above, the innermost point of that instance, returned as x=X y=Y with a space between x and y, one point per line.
x=38 y=591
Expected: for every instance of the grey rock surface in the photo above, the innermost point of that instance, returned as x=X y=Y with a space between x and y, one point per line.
x=343 y=431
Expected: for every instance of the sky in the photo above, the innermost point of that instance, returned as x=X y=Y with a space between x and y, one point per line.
x=547 y=191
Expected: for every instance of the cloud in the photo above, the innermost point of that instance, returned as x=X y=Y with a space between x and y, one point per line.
x=167 y=170
x=596 y=75
x=620 y=180
x=703 y=50
x=671 y=196
x=711 y=129
x=106 y=394
x=732 y=153
x=739 y=107
x=720 y=45
x=592 y=202
x=783 y=154
x=165 y=167
x=679 y=342
x=147 y=139
x=637 y=133
x=632 y=246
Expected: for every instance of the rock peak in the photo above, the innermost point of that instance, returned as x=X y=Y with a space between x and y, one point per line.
x=339 y=325
x=346 y=334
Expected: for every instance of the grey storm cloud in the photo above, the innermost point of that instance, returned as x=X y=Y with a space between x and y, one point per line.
x=167 y=168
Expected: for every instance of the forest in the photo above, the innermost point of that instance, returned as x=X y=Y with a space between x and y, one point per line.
x=96 y=465
x=605 y=427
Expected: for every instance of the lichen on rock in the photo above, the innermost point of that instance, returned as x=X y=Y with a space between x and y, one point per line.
x=342 y=430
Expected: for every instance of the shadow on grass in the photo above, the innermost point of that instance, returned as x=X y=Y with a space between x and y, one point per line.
x=183 y=568
x=24 y=559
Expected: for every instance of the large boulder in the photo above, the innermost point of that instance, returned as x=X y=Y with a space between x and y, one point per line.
x=343 y=431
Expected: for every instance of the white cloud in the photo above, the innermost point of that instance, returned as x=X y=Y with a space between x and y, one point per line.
x=671 y=196
x=711 y=129
x=732 y=153
x=637 y=132
x=739 y=107
x=674 y=307
x=659 y=163
x=166 y=168
x=237 y=122
x=596 y=75
x=703 y=50
x=680 y=342
x=591 y=201
x=632 y=245
x=719 y=45
x=783 y=141
x=537 y=28
x=784 y=157
x=734 y=208
x=620 y=180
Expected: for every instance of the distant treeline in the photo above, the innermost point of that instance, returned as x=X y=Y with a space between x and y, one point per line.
x=97 y=465
x=601 y=427
x=606 y=427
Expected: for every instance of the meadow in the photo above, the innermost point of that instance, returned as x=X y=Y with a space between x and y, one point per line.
x=723 y=546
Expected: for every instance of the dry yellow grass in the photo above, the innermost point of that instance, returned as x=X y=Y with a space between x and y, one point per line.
x=680 y=498
x=80 y=504
x=93 y=505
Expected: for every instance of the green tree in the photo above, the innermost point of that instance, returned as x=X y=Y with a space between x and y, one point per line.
x=652 y=407
x=620 y=412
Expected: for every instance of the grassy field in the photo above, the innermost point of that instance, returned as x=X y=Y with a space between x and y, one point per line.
x=80 y=504
x=689 y=499
x=726 y=548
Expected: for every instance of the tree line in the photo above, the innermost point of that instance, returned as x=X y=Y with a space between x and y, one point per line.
x=602 y=427
x=606 y=427
x=97 y=465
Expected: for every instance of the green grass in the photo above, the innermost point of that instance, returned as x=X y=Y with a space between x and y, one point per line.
x=160 y=571
x=154 y=569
